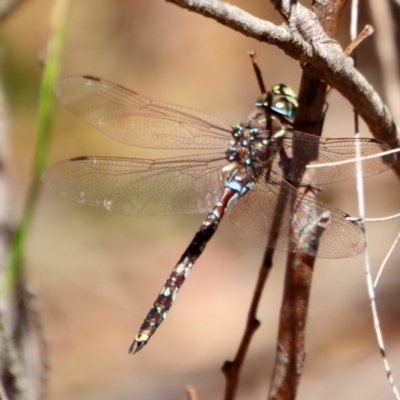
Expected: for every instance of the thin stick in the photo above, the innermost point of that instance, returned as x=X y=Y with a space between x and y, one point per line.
x=231 y=369
x=191 y=393
x=361 y=209
x=253 y=57
x=353 y=160
x=366 y=32
x=381 y=219
x=389 y=253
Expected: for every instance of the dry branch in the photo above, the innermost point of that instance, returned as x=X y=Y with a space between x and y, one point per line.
x=304 y=39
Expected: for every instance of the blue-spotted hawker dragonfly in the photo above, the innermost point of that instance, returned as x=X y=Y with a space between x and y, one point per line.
x=249 y=170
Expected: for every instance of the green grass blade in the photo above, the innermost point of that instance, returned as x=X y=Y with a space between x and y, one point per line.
x=45 y=116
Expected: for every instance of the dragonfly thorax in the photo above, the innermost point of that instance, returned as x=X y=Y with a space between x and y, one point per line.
x=255 y=142
x=253 y=147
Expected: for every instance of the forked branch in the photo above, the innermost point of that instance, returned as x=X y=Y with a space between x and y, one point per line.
x=304 y=39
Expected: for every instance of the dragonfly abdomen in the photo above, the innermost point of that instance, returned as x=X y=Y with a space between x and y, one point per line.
x=181 y=271
x=178 y=276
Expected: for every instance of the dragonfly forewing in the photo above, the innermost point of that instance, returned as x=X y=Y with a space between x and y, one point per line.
x=136 y=120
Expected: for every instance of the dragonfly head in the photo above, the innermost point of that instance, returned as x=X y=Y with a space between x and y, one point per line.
x=280 y=101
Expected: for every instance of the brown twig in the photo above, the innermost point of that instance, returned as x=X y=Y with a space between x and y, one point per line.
x=290 y=343
x=290 y=353
x=366 y=32
x=305 y=40
x=254 y=61
x=231 y=369
x=191 y=393
x=329 y=14
x=290 y=348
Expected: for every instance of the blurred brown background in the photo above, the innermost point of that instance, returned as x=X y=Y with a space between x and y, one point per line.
x=97 y=274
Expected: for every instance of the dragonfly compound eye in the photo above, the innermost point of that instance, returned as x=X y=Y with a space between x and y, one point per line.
x=281 y=101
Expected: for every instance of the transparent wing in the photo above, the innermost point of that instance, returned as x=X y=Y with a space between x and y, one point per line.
x=323 y=150
x=133 y=119
x=170 y=186
x=254 y=214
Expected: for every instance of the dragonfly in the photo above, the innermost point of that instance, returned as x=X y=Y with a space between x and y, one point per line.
x=250 y=170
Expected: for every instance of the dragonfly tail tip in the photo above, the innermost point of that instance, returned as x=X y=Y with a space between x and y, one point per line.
x=136 y=346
